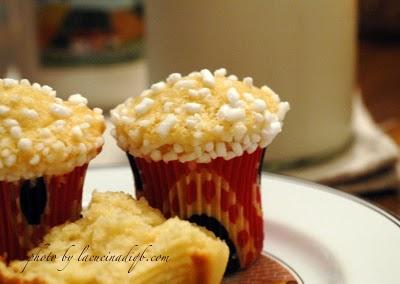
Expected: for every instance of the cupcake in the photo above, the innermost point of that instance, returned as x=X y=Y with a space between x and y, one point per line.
x=122 y=240
x=196 y=145
x=45 y=146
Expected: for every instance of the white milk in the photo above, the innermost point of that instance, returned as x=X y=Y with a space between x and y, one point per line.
x=304 y=50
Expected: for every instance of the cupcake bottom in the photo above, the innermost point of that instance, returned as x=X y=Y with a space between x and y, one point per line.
x=29 y=208
x=224 y=196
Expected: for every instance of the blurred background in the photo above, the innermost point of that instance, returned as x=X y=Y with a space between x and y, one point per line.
x=337 y=62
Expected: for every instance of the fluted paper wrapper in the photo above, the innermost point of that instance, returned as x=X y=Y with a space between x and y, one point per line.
x=29 y=208
x=222 y=195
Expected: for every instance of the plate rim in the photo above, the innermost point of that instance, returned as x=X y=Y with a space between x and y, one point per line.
x=337 y=192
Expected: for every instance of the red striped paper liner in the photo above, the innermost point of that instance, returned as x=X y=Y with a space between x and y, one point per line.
x=63 y=203
x=228 y=191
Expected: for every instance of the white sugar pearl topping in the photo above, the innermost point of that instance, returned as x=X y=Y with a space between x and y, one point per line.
x=192 y=107
x=36 y=86
x=145 y=122
x=220 y=149
x=239 y=130
x=144 y=106
x=165 y=125
x=259 y=105
x=29 y=113
x=173 y=78
x=60 y=110
x=283 y=109
x=228 y=113
x=78 y=99
x=208 y=78
x=8 y=82
x=9 y=122
x=248 y=97
x=209 y=146
x=192 y=121
x=4 y=109
x=203 y=92
x=59 y=123
x=24 y=144
x=158 y=87
x=186 y=84
x=248 y=81
x=220 y=72
x=233 y=77
x=25 y=82
x=77 y=131
x=35 y=160
x=237 y=148
x=156 y=155
x=193 y=93
x=16 y=131
x=178 y=148
x=170 y=156
x=10 y=160
x=167 y=107
x=233 y=96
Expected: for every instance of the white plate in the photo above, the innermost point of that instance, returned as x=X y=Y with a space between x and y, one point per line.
x=322 y=235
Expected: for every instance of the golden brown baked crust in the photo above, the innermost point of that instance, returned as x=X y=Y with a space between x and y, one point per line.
x=112 y=223
x=41 y=134
x=199 y=117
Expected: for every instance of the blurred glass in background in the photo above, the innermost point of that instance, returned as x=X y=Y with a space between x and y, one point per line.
x=304 y=50
x=94 y=47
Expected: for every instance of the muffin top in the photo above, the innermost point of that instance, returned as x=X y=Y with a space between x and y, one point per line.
x=41 y=134
x=199 y=117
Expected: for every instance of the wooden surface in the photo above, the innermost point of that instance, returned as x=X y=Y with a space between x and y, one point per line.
x=379 y=78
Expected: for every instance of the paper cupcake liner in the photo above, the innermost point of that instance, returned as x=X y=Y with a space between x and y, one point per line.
x=29 y=208
x=223 y=196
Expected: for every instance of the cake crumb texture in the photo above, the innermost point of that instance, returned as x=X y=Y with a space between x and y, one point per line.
x=114 y=223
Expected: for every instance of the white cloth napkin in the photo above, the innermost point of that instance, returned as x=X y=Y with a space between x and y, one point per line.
x=370 y=164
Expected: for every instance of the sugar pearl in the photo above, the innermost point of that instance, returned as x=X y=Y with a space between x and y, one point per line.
x=16 y=131
x=4 y=109
x=25 y=82
x=192 y=107
x=158 y=87
x=220 y=149
x=230 y=114
x=173 y=78
x=248 y=81
x=77 y=131
x=35 y=160
x=165 y=125
x=144 y=106
x=233 y=96
x=9 y=122
x=10 y=160
x=29 y=113
x=78 y=99
x=24 y=144
x=220 y=72
x=156 y=155
x=178 y=148
x=259 y=105
x=8 y=82
x=60 y=110
x=208 y=78
x=186 y=84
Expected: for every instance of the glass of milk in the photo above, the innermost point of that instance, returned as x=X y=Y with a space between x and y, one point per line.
x=304 y=50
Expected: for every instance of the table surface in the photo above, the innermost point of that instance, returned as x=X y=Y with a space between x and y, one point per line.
x=378 y=76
